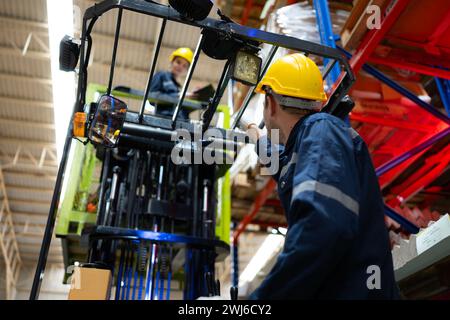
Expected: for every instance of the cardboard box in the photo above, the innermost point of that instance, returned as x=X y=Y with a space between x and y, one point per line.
x=90 y=284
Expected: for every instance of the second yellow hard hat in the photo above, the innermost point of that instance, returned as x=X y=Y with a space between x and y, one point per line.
x=185 y=53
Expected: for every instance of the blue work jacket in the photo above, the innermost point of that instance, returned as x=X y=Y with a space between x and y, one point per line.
x=165 y=83
x=337 y=244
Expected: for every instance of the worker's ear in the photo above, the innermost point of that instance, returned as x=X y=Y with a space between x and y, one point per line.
x=272 y=105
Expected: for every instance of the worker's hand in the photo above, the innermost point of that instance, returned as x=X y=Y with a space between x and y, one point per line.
x=253 y=132
x=191 y=95
x=246 y=121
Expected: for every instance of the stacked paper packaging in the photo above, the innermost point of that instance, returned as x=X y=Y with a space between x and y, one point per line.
x=404 y=251
x=435 y=233
x=424 y=240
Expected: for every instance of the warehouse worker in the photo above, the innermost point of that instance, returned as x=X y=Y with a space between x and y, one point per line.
x=168 y=82
x=337 y=245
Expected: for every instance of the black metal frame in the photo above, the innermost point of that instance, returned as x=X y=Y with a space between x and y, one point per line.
x=238 y=32
x=152 y=68
x=188 y=79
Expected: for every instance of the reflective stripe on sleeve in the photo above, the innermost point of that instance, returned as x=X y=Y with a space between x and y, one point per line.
x=328 y=191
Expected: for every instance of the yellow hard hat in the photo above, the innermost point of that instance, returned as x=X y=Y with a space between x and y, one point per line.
x=294 y=75
x=185 y=53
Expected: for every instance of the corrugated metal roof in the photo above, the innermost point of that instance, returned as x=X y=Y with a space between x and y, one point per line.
x=34 y=249
x=20 y=77
x=25 y=66
x=135 y=26
x=19 y=217
x=138 y=57
x=11 y=147
x=35 y=10
x=23 y=112
x=28 y=206
x=23 y=131
x=22 y=193
x=29 y=180
x=16 y=34
x=27 y=88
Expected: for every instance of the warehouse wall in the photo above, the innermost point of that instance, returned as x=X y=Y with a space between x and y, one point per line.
x=51 y=288
x=2 y=280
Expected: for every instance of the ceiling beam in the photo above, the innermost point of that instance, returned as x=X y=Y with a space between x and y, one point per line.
x=28 y=189
x=28 y=214
x=30 y=224
x=29 y=229
x=40 y=55
x=31 y=262
x=31 y=256
x=38 y=80
x=39 y=125
x=35 y=144
x=31 y=217
x=23 y=156
x=24 y=23
x=31 y=259
x=29 y=201
x=29 y=234
x=27 y=248
x=31 y=250
x=7 y=164
x=33 y=175
x=127 y=69
x=33 y=243
x=30 y=198
x=26 y=102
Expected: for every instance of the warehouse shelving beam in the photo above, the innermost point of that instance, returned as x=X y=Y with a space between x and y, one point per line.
x=261 y=198
x=249 y=5
x=324 y=25
x=405 y=223
x=410 y=153
x=434 y=167
x=444 y=92
x=400 y=89
x=415 y=67
x=374 y=36
x=246 y=13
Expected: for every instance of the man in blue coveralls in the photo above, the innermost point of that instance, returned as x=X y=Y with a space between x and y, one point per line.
x=168 y=82
x=337 y=245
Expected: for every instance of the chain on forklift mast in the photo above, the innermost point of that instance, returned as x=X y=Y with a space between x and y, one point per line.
x=152 y=213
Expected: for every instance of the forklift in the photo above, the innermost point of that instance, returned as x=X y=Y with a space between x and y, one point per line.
x=151 y=210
